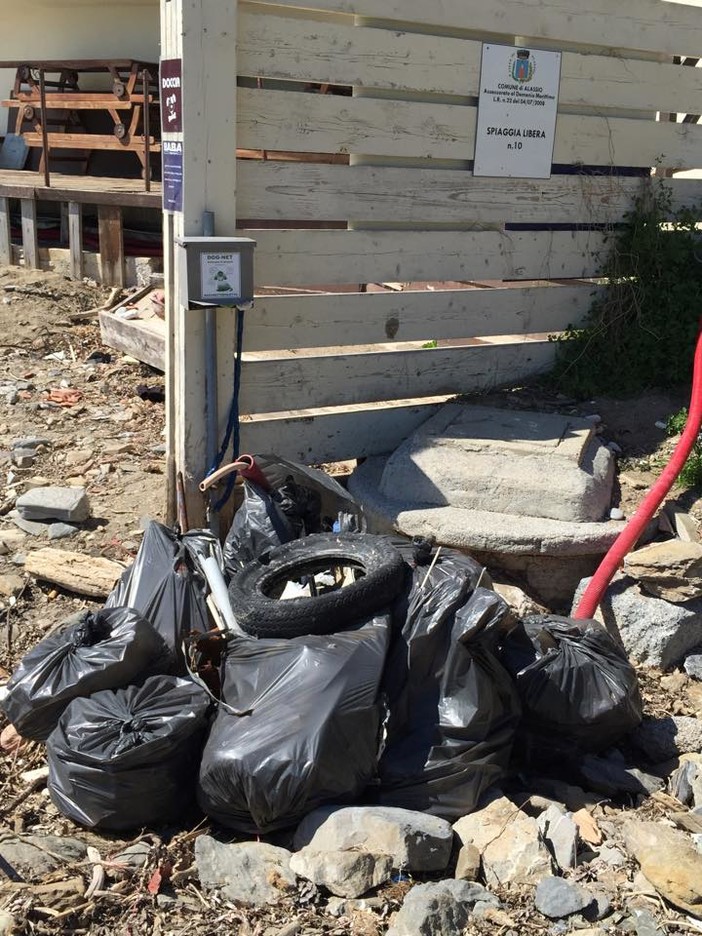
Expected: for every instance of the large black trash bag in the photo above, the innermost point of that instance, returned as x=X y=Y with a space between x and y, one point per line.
x=574 y=680
x=106 y=650
x=126 y=759
x=311 y=732
x=284 y=501
x=164 y=584
x=453 y=707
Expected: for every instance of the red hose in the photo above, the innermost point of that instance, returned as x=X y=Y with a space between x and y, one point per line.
x=635 y=527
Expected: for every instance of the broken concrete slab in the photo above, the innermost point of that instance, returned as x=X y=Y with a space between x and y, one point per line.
x=671 y=570
x=68 y=504
x=504 y=461
x=651 y=630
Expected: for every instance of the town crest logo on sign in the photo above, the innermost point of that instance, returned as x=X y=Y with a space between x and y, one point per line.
x=522 y=66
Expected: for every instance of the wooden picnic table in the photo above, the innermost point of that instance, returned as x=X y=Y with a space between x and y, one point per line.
x=48 y=101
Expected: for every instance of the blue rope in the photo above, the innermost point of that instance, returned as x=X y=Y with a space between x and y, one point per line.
x=233 y=430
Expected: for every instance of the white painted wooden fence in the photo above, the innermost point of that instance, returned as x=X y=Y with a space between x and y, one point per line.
x=344 y=374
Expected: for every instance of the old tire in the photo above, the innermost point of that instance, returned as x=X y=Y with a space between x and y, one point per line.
x=259 y=613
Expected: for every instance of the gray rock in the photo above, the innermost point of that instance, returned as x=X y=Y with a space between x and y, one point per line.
x=413 y=840
x=30 y=442
x=468 y=863
x=661 y=739
x=686 y=783
x=54 y=503
x=556 y=898
x=23 y=458
x=134 y=856
x=693 y=665
x=645 y=924
x=33 y=527
x=344 y=873
x=560 y=834
x=438 y=909
x=611 y=856
x=62 y=530
x=671 y=569
x=340 y=906
x=651 y=630
x=35 y=856
x=509 y=841
x=612 y=777
x=12 y=398
x=253 y=873
x=600 y=907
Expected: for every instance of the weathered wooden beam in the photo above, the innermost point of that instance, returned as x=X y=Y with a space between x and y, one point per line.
x=75 y=239
x=76 y=572
x=30 y=237
x=111 y=245
x=5 y=233
x=203 y=34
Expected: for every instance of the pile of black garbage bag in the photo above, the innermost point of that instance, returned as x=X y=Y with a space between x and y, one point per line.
x=349 y=667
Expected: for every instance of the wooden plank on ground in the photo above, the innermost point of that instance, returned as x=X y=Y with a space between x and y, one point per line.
x=111 y=245
x=295 y=258
x=645 y=25
x=311 y=51
x=93 y=576
x=5 y=233
x=30 y=235
x=290 y=383
x=299 y=122
x=316 y=436
x=75 y=239
x=291 y=191
x=288 y=322
x=144 y=340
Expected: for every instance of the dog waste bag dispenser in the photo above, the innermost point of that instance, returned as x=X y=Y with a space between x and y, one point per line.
x=219 y=271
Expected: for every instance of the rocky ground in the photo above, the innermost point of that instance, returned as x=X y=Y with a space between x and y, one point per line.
x=606 y=845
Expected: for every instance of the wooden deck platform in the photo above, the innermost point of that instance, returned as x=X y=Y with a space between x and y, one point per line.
x=83 y=190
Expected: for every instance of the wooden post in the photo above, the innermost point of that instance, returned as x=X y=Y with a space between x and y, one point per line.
x=203 y=35
x=111 y=245
x=5 y=233
x=75 y=239
x=30 y=237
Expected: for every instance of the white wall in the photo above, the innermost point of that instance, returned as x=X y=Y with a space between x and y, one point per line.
x=59 y=29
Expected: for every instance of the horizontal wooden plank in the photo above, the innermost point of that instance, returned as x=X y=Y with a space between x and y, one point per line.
x=90 y=190
x=311 y=51
x=315 y=123
x=291 y=191
x=288 y=322
x=143 y=340
x=295 y=258
x=274 y=384
x=316 y=437
x=643 y=25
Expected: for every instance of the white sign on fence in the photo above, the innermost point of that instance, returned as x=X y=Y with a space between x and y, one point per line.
x=221 y=276
x=517 y=112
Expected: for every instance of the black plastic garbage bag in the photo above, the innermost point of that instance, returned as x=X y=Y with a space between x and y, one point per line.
x=106 y=650
x=286 y=502
x=453 y=707
x=165 y=586
x=125 y=759
x=574 y=680
x=308 y=729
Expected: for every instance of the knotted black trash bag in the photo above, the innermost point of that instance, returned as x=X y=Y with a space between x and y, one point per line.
x=125 y=759
x=453 y=707
x=284 y=501
x=166 y=587
x=105 y=650
x=299 y=727
x=574 y=680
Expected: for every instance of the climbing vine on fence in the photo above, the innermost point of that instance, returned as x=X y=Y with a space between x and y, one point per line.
x=640 y=331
